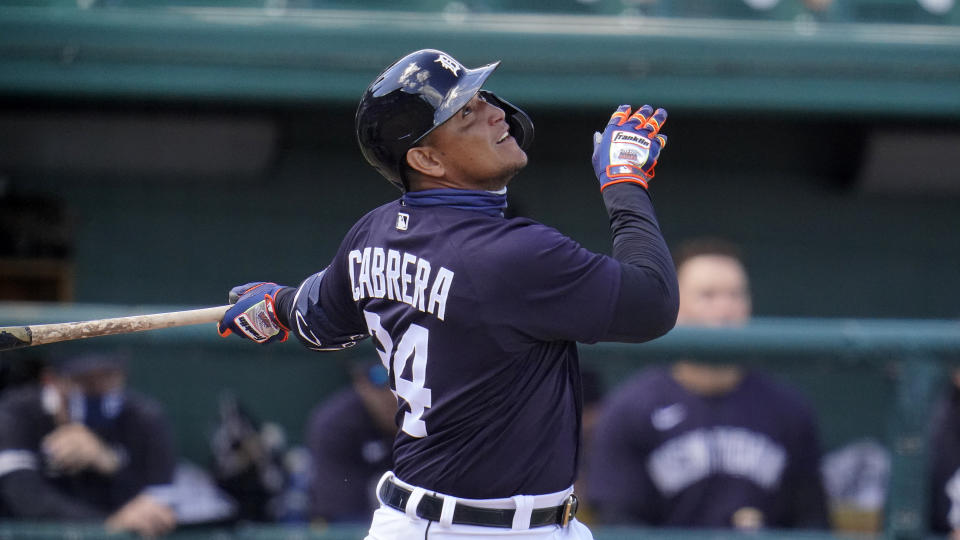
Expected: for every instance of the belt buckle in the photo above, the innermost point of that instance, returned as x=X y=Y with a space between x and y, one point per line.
x=569 y=509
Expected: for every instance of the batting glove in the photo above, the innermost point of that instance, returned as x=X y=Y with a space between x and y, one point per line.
x=628 y=148
x=253 y=314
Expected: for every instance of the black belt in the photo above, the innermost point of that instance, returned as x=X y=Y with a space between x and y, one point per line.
x=430 y=507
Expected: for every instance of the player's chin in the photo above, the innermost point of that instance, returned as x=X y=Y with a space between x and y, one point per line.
x=507 y=173
x=519 y=163
x=518 y=157
x=511 y=159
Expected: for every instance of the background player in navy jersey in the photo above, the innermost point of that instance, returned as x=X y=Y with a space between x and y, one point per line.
x=350 y=438
x=81 y=446
x=476 y=316
x=944 y=468
x=707 y=445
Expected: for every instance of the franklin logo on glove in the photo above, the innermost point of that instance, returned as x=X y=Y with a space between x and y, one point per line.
x=628 y=148
x=623 y=136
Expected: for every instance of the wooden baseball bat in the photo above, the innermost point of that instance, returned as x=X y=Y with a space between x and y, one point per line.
x=15 y=337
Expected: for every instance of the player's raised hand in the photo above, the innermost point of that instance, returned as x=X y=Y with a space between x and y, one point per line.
x=628 y=149
x=253 y=314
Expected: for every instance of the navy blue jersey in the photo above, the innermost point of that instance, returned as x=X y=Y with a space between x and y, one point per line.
x=476 y=317
x=482 y=320
x=349 y=452
x=664 y=456
x=31 y=489
x=944 y=476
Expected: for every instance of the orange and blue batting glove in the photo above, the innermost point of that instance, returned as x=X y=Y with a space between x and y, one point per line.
x=628 y=149
x=253 y=315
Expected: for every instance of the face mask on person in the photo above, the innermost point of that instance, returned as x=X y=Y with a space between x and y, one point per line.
x=96 y=411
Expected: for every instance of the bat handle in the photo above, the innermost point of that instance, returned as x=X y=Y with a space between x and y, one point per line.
x=14 y=337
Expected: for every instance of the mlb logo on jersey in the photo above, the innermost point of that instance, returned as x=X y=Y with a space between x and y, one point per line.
x=403 y=220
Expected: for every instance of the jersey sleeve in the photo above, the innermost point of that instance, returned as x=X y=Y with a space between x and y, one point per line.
x=316 y=315
x=544 y=285
x=319 y=312
x=552 y=288
x=648 y=297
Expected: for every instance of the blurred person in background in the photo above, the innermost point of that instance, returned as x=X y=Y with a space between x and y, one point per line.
x=944 y=475
x=350 y=438
x=592 y=390
x=248 y=461
x=80 y=446
x=706 y=444
x=19 y=368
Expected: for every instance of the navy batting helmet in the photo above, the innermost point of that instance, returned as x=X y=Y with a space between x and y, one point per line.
x=415 y=95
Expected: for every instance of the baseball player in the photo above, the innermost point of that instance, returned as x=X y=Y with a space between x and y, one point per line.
x=475 y=316
x=700 y=444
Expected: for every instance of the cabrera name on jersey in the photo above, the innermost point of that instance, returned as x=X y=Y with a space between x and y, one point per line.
x=470 y=314
x=376 y=272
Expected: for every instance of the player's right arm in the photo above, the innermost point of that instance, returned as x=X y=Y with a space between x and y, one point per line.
x=312 y=316
x=624 y=158
x=265 y=312
x=319 y=312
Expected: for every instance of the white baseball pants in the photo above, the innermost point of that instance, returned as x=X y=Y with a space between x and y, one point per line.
x=391 y=524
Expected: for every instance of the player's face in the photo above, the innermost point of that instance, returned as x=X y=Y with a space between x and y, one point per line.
x=476 y=147
x=713 y=292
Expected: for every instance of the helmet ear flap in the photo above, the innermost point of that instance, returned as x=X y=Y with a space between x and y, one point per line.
x=521 y=126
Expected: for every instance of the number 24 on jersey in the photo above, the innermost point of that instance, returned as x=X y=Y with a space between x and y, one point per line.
x=412 y=344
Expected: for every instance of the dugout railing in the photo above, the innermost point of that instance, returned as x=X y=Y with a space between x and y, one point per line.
x=876 y=379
